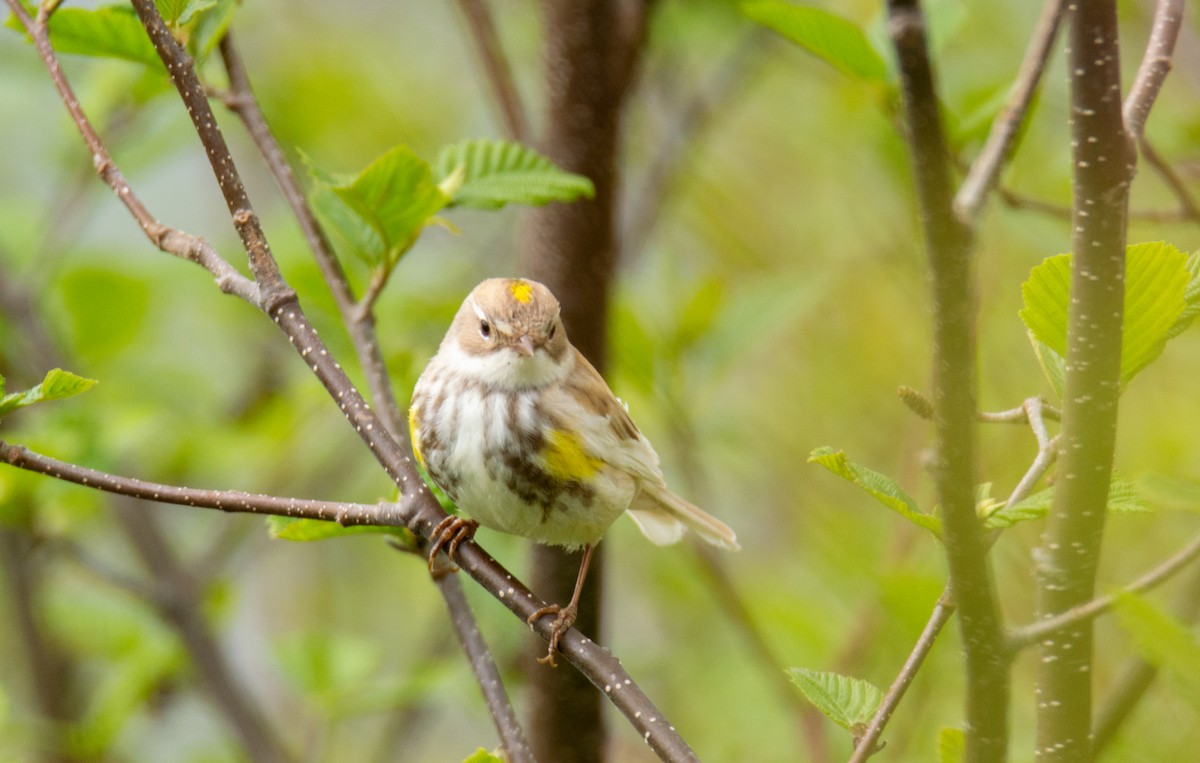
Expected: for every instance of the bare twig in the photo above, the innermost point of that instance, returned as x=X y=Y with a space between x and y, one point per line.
x=948 y=244
x=242 y=101
x=1156 y=64
x=512 y=736
x=867 y=744
x=169 y=240
x=1031 y=634
x=1188 y=207
x=985 y=170
x=234 y=501
x=496 y=68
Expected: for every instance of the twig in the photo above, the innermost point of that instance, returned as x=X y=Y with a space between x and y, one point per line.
x=1031 y=634
x=1156 y=64
x=512 y=736
x=495 y=67
x=985 y=170
x=169 y=240
x=867 y=744
x=948 y=244
x=1188 y=207
x=234 y=501
x=242 y=101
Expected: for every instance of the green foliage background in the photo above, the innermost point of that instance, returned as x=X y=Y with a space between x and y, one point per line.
x=775 y=305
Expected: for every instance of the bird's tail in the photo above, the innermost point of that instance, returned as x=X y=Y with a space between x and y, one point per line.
x=663 y=517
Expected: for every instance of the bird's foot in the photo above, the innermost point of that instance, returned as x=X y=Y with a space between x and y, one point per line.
x=449 y=534
x=565 y=618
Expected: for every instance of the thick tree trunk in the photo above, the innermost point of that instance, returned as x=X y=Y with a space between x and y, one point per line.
x=572 y=249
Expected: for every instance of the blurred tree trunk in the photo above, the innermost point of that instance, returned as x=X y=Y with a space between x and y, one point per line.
x=591 y=51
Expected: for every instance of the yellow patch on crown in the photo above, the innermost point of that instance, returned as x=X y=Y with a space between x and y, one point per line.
x=565 y=458
x=413 y=425
x=521 y=291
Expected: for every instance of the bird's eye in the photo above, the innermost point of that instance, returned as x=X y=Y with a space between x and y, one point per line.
x=485 y=329
x=553 y=330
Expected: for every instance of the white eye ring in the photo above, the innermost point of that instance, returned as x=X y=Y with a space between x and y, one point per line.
x=485 y=329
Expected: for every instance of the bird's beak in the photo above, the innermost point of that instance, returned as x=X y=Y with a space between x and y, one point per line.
x=525 y=345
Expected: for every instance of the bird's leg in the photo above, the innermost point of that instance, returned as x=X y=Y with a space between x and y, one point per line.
x=450 y=533
x=566 y=615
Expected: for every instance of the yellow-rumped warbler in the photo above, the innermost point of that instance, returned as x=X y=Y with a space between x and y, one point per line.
x=522 y=432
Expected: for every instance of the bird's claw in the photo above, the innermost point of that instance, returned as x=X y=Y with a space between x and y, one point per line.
x=565 y=618
x=449 y=534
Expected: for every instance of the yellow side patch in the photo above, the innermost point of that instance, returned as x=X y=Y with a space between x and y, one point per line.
x=565 y=458
x=413 y=425
x=521 y=291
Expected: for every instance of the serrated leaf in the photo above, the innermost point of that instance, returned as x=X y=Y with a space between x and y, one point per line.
x=1156 y=283
x=1191 y=298
x=108 y=32
x=394 y=198
x=880 y=487
x=833 y=39
x=498 y=172
x=304 y=529
x=1163 y=641
x=482 y=756
x=848 y=702
x=1123 y=498
x=56 y=385
x=1053 y=365
x=952 y=745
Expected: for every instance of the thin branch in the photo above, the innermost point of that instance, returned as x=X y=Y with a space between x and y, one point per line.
x=1188 y=207
x=1156 y=64
x=233 y=501
x=242 y=101
x=868 y=744
x=496 y=68
x=948 y=244
x=1035 y=632
x=169 y=240
x=512 y=736
x=985 y=170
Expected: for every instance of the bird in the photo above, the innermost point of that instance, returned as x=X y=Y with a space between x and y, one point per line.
x=523 y=434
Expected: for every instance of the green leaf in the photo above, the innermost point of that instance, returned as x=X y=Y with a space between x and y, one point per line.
x=848 y=702
x=394 y=198
x=1191 y=298
x=487 y=174
x=952 y=745
x=482 y=756
x=111 y=31
x=328 y=666
x=831 y=38
x=1123 y=498
x=1053 y=365
x=882 y=488
x=297 y=529
x=1156 y=283
x=57 y=384
x=1163 y=641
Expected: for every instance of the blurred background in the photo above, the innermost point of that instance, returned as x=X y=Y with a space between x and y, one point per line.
x=771 y=298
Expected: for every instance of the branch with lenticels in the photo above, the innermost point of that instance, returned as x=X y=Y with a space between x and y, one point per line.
x=416 y=509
